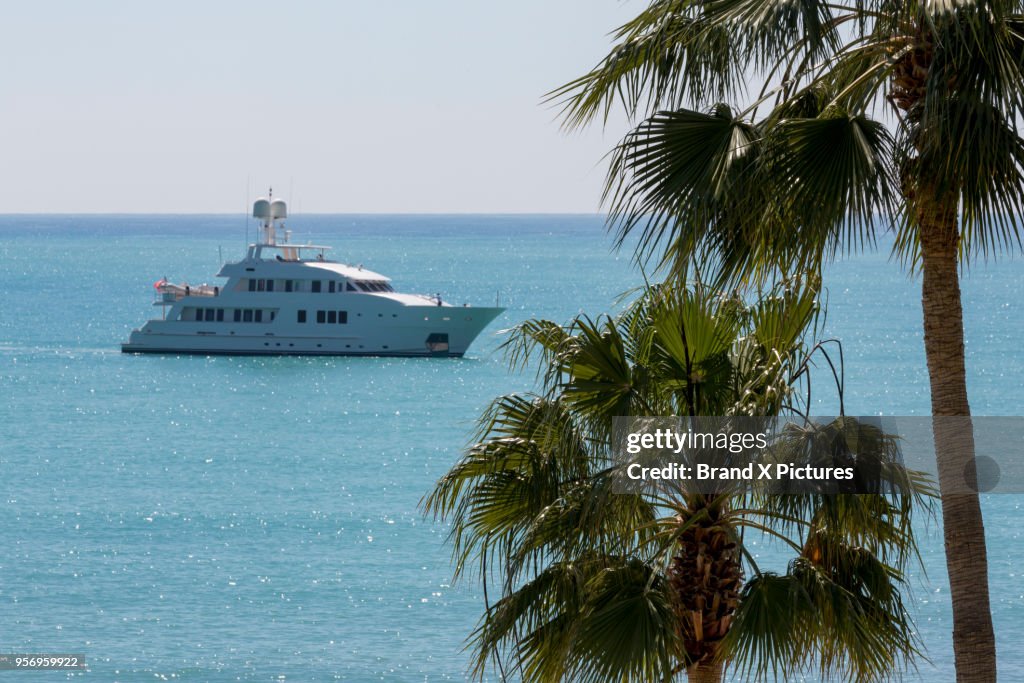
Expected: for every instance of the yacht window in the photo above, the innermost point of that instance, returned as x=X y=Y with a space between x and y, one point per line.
x=270 y=285
x=261 y=285
x=330 y=287
x=321 y=316
x=316 y=285
x=220 y=315
x=198 y=315
x=238 y=315
x=301 y=316
x=287 y=285
x=259 y=315
x=349 y=287
x=342 y=317
x=362 y=286
x=332 y=317
x=247 y=315
x=252 y=285
x=210 y=314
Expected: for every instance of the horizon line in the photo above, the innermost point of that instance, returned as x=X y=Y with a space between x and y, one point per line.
x=305 y=213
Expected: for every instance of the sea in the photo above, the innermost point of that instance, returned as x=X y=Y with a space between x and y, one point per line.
x=189 y=518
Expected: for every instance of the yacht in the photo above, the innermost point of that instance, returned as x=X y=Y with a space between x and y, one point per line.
x=286 y=298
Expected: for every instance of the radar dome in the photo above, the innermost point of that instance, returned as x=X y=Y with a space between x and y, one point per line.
x=261 y=208
x=278 y=209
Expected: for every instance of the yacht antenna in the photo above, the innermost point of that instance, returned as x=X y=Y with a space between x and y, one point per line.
x=245 y=212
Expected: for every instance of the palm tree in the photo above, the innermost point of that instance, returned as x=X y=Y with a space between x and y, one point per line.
x=601 y=584
x=874 y=114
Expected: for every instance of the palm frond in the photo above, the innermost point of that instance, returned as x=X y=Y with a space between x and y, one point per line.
x=681 y=174
x=846 y=620
x=627 y=629
x=833 y=181
x=663 y=55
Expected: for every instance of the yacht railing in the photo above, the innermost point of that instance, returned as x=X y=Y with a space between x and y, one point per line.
x=169 y=293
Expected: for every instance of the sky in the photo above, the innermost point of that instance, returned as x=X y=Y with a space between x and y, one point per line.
x=405 y=106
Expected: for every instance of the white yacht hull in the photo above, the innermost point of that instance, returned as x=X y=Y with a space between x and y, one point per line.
x=405 y=333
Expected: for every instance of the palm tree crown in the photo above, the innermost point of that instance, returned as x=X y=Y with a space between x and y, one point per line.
x=597 y=584
x=866 y=102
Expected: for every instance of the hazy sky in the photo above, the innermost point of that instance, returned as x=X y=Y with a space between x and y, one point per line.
x=360 y=106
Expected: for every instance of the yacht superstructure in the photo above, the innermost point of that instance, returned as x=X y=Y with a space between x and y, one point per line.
x=285 y=298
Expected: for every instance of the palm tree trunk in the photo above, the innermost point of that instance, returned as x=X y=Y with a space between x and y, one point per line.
x=964 y=532
x=710 y=672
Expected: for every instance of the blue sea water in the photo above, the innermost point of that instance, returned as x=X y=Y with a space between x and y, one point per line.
x=256 y=519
